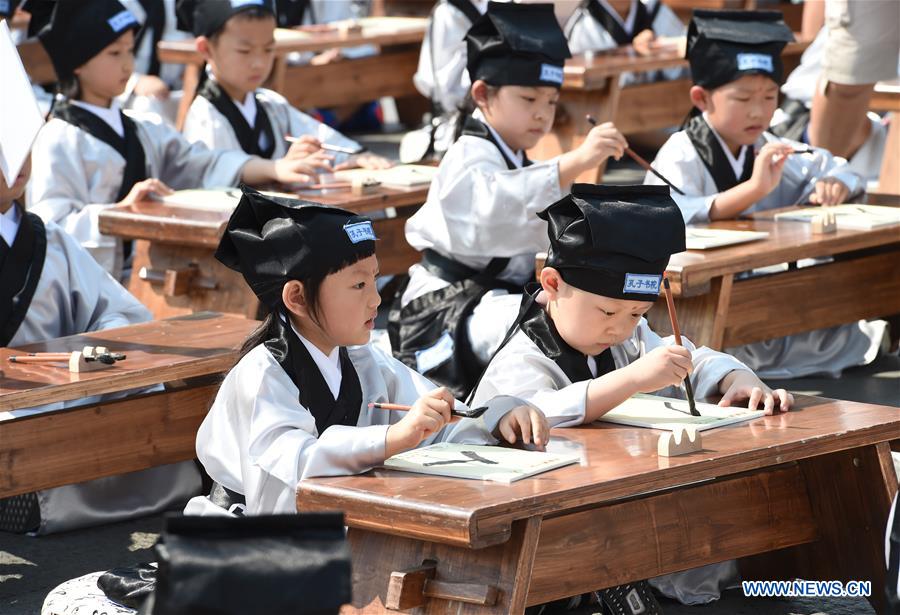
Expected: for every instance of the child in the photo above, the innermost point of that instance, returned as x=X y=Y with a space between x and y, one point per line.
x=91 y=156
x=441 y=75
x=231 y=111
x=297 y=404
x=597 y=25
x=728 y=165
x=53 y=288
x=587 y=347
x=478 y=230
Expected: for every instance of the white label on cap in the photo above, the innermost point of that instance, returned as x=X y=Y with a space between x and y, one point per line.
x=430 y=358
x=755 y=61
x=239 y=3
x=642 y=283
x=121 y=20
x=551 y=73
x=360 y=231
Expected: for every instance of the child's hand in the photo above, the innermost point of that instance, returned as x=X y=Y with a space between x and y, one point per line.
x=143 y=190
x=643 y=41
x=743 y=385
x=365 y=161
x=602 y=142
x=661 y=367
x=525 y=423
x=829 y=191
x=152 y=86
x=428 y=416
x=299 y=171
x=304 y=146
x=768 y=166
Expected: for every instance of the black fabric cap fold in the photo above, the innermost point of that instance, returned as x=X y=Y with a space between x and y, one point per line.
x=517 y=44
x=74 y=31
x=206 y=17
x=723 y=46
x=271 y=240
x=614 y=241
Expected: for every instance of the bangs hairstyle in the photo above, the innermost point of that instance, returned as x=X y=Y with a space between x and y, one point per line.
x=252 y=14
x=312 y=286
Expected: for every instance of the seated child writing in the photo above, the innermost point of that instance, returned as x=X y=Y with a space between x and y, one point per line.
x=231 y=110
x=728 y=165
x=296 y=405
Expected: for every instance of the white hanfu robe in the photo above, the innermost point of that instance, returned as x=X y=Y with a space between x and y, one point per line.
x=75 y=175
x=259 y=441
x=585 y=34
x=477 y=209
x=75 y=295
x=825 y=351
x=441 y=75
x=207 y=125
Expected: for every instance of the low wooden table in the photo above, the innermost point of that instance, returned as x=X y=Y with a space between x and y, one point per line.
x=591 y=86
x=341 y=82
x=812 y=486
x=174 y=269
x=718 y=310
x=64 y=446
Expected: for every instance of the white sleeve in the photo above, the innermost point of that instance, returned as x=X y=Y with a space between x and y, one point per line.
x=445 y=39
x=677 y=161
x=203 y=124
x=586 y=34
x=805 y=170
x=666 y=22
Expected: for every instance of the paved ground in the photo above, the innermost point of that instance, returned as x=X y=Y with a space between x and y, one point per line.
x=31 y=567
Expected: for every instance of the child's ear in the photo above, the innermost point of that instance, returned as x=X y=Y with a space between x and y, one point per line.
x=700 y=97
x=293 y=298
x=203 y=47
x=480 y=93
x=550 y=282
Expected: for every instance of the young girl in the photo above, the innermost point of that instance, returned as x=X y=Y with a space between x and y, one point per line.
x=478 y=229
x=232 y=112
x=297 y=404
x=91 y=156
x=606 y=24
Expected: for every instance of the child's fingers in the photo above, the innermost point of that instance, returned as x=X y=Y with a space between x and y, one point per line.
x=769 y=403
x=785 y=400
x=507 y=432
x=755 y=397
x=539 y=428
x=727 y=398
x=440 y=406
x=524 y=425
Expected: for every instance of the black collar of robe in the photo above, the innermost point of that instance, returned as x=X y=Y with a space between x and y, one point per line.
x=20 y=272
x=537 y=325
x=643 y=20
x=315 y=396
x=129 y=146
x=713 y=155
x=247 y=136
x=476 y=128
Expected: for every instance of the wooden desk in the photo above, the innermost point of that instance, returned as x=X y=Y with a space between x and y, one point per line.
x=717 y=310
x=341 y=82
x=817 y=482
x=591 y=86
x=61 y=447
x=180 y=243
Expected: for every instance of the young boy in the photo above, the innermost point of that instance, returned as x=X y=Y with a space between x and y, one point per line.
x=231 y=110
x=582 y=346
x=728 y=165
x=587 y=347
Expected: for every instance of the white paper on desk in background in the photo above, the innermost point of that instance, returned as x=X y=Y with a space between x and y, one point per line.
x=401 y=176
x=656 y=412
x=849 y=217
x=20 y=115
x=478 y=462
x=702 y=238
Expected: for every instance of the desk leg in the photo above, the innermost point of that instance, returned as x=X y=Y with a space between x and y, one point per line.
x=189 y=82
x=506 y=567
x=702 y=318
x=889 y=177
x=850 y=493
